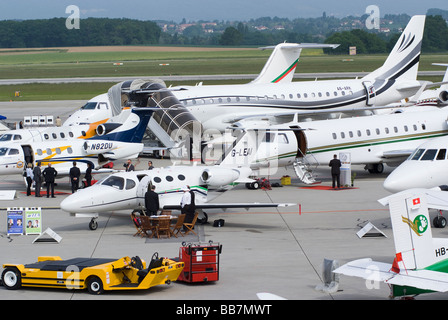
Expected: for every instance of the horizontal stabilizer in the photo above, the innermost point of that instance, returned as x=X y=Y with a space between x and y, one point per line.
x=366 y=269
x=422 y=279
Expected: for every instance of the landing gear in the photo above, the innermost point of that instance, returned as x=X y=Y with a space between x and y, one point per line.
x=253 y=185
x=439 y=221
x=93 y=225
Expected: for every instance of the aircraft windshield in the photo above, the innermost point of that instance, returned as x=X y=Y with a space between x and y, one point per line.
x=113 y=181
x=429 y=154
x=89 y=106
x=417 y=154
x=6 y=137
x=3 y=151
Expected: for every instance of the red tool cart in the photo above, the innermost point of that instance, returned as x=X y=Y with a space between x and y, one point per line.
x=201 y=262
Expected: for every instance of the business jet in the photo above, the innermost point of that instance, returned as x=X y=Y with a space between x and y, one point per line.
x=126 y=190
x=419 y=265
x=425 y=168
x=371 y=140
x=96 y=110
x=114 y=141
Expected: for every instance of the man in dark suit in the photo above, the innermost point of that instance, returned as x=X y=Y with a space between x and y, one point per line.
x=151 y=202
x=50 y=174
x=37 y=177
x=129 y=166
x=335 y=165
x=74 y=173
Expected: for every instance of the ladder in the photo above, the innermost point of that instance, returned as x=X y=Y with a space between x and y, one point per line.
x=304 y=170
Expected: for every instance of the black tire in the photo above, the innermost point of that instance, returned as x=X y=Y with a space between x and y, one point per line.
x=435 y=222
x=255 y=185
x=93 y=225
x=95 y=286
x=441 y=222
x=11 y=279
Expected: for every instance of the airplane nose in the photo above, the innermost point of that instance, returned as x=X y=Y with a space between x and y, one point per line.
x=73 y=203
x=400 y=179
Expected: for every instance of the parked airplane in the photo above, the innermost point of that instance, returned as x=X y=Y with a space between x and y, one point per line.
x=425 y=168
x=97 y=109
x=126 y=190
x=114 y=141
x=420 y=261
x=371 y=140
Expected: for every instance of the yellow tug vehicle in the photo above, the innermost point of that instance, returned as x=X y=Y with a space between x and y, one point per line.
x=94 y=274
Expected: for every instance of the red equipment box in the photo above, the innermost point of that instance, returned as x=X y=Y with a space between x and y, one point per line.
x=201 y=262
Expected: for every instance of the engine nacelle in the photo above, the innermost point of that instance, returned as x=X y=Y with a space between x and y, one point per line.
x=443 y=96
x=105 y=128
x=218 y=177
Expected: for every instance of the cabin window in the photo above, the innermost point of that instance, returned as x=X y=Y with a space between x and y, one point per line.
x=343 y=93
x=368 y=132
x=350 y=133
x=83 y=133
x=417 y=154
x=406 y=128
x=169 y=178
x=359 y=133
x=377 y=131
x=157 y=180
x=283 y=96
x=181 y=177
x=54 y=135
x=269 y=137
x=62 y=135
x=441 y=155
x=69 y=150
x=282 y=138
x=334 y=136
x=17 y=137
x=335 y=93
x=70 y=134
x=313 y=94
x=39 y=152
x=130 y=184
x=395 y=129
x=319 y=94
x=58 y=150
x=46 y=137
x=327 y=93
x=423 y=126
x=48 y=151
x=429 y=154
x=387 y=130
x=415 y=127
x=298 y=95
x=342 y=135
x=305 y=95
x=290 y=96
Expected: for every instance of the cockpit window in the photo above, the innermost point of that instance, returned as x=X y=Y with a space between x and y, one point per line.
x=417 y=154
x=17 y=137
x=3 y=151
x=429 y=154
x=6 y=137
x=113 y=181
x=269 y=137
x=89 y=106
x=13 y=151
x=441 y=155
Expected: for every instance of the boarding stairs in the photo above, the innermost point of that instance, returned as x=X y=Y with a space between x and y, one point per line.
x=304 y=170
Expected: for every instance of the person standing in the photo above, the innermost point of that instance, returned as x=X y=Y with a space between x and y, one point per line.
x=129 y=166
x=151 y=202
x=88 y=175
x=74 y=173
x=150 y=166
x=29 y=178
x=37 y=177
x=50 y=174
x=187 y=204
x=335 y=165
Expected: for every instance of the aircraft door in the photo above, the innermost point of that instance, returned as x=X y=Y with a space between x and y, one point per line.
x=143 y=186
x=302 y=144
x=370 y=93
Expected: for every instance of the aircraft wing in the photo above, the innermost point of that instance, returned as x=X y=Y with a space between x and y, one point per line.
x=233 y=205
x=366 y=269
x=422 y=279
x=392 y=154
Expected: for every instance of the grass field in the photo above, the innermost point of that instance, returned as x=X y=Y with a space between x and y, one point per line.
x=157 y=61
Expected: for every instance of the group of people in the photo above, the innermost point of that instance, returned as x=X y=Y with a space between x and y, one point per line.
x=49 y=174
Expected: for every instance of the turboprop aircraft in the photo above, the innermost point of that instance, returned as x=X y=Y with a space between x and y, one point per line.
x=420 y=261
x=425 y=168
x=114 y=141
x=371 y=140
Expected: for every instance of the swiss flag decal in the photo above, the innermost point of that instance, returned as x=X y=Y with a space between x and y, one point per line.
x=415 y=201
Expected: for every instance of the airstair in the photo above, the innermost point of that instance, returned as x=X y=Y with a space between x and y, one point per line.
x=305 y=170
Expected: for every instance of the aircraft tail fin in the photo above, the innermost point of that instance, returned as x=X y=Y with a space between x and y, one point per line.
x=403 y=60
x=412 y=230
x=132 y=129
x=283 y=61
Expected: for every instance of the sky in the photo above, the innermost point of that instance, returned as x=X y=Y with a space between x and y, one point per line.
x=194 y=10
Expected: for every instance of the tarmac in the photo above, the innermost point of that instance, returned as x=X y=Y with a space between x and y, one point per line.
x=279 y=251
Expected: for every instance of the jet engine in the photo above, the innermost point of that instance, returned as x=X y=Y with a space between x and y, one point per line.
x=217 y=177
x=443 y=96
x=105 y=128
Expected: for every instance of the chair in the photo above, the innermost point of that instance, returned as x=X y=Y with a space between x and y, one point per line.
x=138 y=225
x=177 y=228
x=163 y=227
x=147 y=226
x=190 y=226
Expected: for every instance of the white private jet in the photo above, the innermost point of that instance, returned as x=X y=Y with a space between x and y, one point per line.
x=425 y=168
x=420 y=263
x=218 y=106
x=96 y=110
x=371 y=140
x=119 y=140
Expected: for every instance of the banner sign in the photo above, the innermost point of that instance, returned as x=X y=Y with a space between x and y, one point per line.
x=33 y=221
x=14 y=220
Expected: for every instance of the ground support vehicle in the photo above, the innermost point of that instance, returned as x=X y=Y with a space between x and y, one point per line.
x=94 y=274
